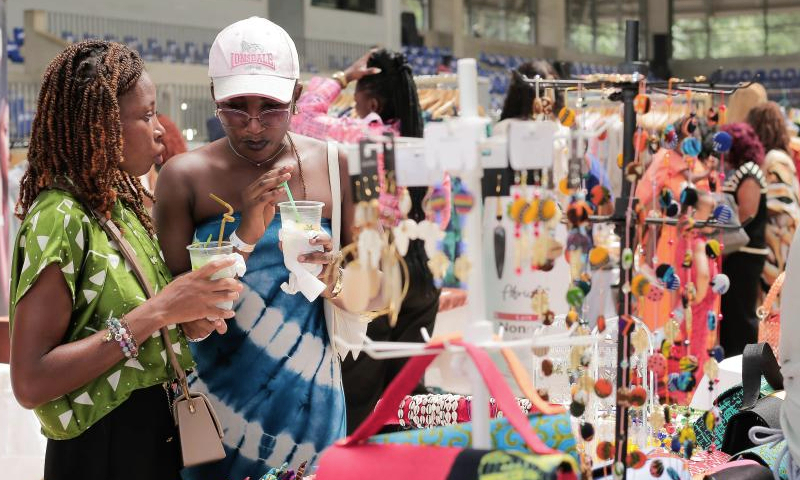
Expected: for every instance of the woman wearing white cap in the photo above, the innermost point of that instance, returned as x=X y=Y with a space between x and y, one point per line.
x=275 y=377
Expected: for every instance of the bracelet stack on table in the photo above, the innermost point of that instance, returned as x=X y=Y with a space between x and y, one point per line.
x=438 y=410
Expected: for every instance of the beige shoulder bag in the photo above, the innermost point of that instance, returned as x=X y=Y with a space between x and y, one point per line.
x=198 y=426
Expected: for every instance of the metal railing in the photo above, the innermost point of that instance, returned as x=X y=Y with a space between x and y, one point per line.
x=22 y=98
x=77 y=24
x=315 y=55
x=324 y=55
x=189 y=106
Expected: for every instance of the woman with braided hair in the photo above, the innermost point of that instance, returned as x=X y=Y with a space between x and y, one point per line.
x=85 y=349
x=385 y=100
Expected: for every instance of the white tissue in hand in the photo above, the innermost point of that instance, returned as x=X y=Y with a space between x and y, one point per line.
x=302 y=276
x=296 y=242
x=238 y=269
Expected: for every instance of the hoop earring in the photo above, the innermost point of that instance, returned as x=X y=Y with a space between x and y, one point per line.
x=295 y=110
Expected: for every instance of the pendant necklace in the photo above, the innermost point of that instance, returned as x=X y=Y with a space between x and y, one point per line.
x=255 y=163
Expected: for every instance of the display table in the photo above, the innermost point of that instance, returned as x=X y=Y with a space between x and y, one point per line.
x=22 y=445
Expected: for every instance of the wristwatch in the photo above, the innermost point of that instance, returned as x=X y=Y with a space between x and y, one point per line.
x=341 y=78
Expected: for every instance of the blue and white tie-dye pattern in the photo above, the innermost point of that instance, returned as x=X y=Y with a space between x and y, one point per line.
x=273 y=378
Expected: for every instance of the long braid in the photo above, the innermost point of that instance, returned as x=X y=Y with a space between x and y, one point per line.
x=395 y=89
x=76 y=139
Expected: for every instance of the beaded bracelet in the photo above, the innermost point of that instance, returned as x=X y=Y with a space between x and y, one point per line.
x=120 y=331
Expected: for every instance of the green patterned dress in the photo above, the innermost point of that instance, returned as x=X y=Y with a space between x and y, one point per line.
x=59 y=230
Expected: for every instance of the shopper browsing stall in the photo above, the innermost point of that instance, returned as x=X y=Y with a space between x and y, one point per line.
x=783 y=192
x=746 y=182
x=275 y=377
x=98 y=401
x=522 y=101
x=385 y=100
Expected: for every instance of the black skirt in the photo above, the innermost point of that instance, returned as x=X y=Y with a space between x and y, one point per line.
x=135 y=441
x=739 y=326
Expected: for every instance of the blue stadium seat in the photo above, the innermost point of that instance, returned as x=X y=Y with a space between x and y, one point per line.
x=790 y=78
x=19 y=36
x=14 y=54
x=775 y=78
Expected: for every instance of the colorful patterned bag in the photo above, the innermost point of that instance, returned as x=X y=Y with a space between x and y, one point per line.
x=768 y=455
x=355 y=457
x=554 y=430
x=760 y=378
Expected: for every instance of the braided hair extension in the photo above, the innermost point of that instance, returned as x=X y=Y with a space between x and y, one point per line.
x=76 y=139
x=396 y=91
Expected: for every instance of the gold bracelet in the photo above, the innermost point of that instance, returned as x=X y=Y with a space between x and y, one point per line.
x=337 y=287
x=341 y=78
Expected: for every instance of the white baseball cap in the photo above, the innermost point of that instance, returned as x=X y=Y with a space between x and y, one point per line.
x=254 y=57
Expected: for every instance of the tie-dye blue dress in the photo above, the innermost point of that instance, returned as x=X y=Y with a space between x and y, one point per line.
x=273 y=378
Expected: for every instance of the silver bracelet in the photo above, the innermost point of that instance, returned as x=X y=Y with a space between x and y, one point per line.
x=195 y=340
x=240 y=244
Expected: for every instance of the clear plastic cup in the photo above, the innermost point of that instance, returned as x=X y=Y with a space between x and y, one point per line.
x=202 y=253
x=298 y=228
x=303 y=215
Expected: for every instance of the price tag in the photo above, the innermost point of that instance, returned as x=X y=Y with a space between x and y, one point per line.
x=530 y=144
x=494 y=153
x=412 y=167
x=451 y=145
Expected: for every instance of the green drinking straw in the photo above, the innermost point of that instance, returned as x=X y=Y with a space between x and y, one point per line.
x=291 y=200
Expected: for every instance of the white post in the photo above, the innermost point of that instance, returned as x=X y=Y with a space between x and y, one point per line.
x=468 y=87
x=479 y=330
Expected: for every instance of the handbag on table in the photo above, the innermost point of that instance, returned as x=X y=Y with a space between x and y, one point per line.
x=756 y=410
x=355 y=457
x=754 y=402
x=198 y=426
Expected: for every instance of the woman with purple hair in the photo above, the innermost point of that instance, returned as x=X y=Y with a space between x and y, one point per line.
x=746 y=182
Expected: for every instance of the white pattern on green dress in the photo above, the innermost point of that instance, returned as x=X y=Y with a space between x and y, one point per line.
x=58 y=229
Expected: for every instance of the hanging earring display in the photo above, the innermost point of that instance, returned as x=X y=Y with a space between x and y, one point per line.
x=458 y=266
x=499 y=232
x=516 y=212
x=543 y=216
x=372 y=252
